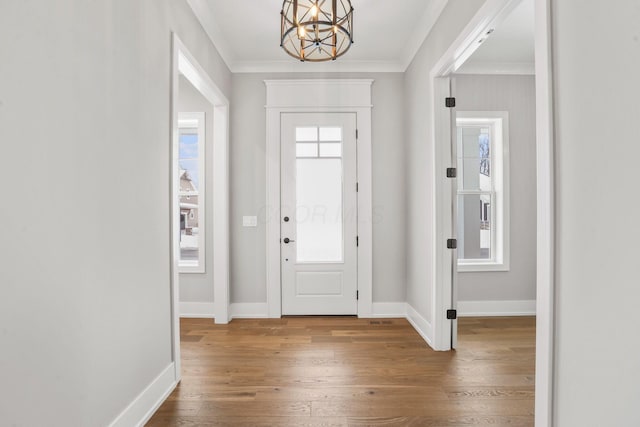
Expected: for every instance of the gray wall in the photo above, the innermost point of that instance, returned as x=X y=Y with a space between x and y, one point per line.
x=418 y=107
x=515 y=94
x=198 y=287
x=84 y=114
x=597 y=86
x=248 y=186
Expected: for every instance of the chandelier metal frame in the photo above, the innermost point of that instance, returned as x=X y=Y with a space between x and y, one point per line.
x=316 y=30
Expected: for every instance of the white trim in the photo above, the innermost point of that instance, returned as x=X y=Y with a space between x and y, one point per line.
x=501 y=211
x=388 y=309
x=488 y=17
x=184 y=63
x=342 y=65
x=545 y=272
x=496 y=308
x=138 y=412
x=197 y=310
x=498 y=68
x=249 y=310
x=421 y=325
x=442 y=225
x=323 y=96
x=476 y=266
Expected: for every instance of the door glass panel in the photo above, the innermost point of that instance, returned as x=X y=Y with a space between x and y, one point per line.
x=330 y=149
x=306 y=134
x=474 y=226
x=330 y=134
x=306 y=149
x=319 y=218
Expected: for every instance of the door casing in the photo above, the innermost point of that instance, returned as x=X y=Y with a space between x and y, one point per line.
x=320 y=96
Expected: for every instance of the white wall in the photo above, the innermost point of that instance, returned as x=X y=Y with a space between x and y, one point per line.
x=85 y=141
x=418 y=107
x=597 y=86
x=248 y=187
x=198 y=287
x=516 y=95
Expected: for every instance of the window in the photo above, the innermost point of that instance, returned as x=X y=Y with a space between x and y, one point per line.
x=191 y=128
x=319 y=181
x=483 y=191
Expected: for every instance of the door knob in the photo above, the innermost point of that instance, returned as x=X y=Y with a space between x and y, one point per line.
x=287 y=240
x=286 y=219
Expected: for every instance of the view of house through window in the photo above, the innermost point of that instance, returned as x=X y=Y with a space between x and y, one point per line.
x=191 y=163
x=482 y=161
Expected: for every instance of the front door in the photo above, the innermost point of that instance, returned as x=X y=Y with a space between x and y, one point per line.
x=319 y=214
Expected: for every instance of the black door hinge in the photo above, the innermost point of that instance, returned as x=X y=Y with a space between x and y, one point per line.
x=452 y=244
x=356 y=133
x=452 y=314
x=452 y=172
x=450 y=102
x=357 y=295
x=357 y=187
x=357 y=241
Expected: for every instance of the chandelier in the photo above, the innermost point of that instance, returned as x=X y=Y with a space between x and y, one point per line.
x=316 y=30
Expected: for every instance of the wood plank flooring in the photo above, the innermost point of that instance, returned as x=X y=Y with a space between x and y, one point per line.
x=343 y=371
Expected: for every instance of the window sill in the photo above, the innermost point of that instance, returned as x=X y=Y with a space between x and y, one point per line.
x=470 y=267
x=187 y=267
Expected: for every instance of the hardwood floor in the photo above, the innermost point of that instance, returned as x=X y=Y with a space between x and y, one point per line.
x=343 y=371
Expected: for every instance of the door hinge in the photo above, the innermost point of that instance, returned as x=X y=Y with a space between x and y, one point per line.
x=356 y=133
x=357 y=187
x=357 y=295
x=452 y=172
x=357 y=240
x=452 y=244
x=452 y=314
x=450 y=102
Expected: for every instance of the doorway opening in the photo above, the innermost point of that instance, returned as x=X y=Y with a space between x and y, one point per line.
x=199 y=187
x=483 y=211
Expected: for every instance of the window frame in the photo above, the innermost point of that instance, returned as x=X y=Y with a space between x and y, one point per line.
x=196 y=120
x=498 y=123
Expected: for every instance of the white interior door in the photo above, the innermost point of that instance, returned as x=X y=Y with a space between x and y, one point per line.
x=318 y=214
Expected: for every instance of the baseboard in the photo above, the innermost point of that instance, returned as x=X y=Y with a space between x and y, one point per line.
x=147 y=403
x=420 y=324
x=252 y=310
x=388 y=309
x=496 y=308
x=197 y=310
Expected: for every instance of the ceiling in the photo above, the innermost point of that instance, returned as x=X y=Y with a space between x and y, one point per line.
x=387 y=35
x=510 y=48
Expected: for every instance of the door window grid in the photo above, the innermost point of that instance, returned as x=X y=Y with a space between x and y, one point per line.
x=319 y=216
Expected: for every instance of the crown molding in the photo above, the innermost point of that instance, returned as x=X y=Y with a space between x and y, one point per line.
x=421 y=30
x=339 y=66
